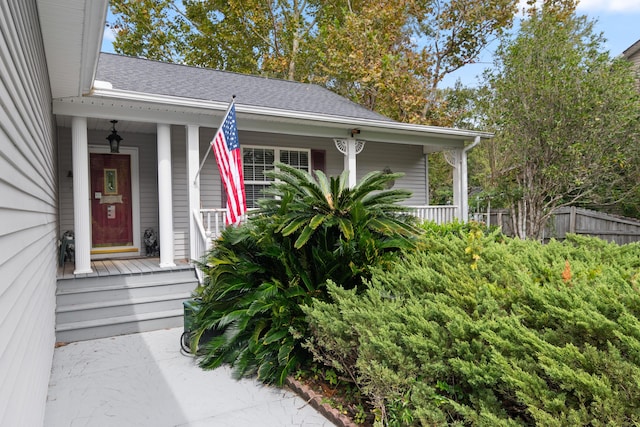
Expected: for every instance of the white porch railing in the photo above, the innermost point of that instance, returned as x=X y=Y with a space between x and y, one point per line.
x=438 y=214
x=202 y=241
x=213 y=220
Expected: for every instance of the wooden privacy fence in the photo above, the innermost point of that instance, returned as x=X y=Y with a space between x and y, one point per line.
x=577 y=221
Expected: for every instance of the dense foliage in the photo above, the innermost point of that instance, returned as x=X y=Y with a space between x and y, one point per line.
x=567 y=120
x=389 y=56
x=260 y=274
x=484 y=330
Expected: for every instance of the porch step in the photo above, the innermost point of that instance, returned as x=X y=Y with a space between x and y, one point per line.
x=105 y=309
x=99 y=307
x=122 y=325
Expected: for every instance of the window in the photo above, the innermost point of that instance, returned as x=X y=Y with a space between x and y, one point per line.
x=258 y=160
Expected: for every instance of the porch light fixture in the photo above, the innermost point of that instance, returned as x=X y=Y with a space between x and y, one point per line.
x=114 y=138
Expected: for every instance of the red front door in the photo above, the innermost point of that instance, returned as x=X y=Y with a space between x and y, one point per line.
x=111 y=213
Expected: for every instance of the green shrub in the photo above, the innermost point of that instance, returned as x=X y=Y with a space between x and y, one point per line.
x=483 y=330
x=251 y=299
x=261 y=273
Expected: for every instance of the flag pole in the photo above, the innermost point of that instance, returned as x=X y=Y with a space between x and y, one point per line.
x=233 y=100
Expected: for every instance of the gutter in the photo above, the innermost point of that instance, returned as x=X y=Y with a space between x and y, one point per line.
x=95 y=15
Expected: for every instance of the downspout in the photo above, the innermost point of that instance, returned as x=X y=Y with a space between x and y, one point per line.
x=464 y=208
x=476 y=141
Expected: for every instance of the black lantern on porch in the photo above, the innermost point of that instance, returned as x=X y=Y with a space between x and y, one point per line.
x=114 y=138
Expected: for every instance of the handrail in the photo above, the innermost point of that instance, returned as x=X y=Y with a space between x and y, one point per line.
x=218 y=216
x=203 y=242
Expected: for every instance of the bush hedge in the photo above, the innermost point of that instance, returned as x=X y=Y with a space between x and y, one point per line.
x=484 y=330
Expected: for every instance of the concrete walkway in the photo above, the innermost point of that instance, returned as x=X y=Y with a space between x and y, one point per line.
x=144 y=380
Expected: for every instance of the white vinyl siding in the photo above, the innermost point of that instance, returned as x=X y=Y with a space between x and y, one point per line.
x=181 y=216
x=27 y=218
x=408 y=159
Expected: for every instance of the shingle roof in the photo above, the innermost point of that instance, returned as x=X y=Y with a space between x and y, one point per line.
x=631 y=50
x=160 y=78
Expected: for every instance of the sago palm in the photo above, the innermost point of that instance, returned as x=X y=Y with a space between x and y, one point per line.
x=313 y=229
x=305 y=203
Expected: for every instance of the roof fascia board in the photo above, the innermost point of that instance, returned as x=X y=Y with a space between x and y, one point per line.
x=386 y=125
x=631 y=50
x=93 y=32
x=108 y=109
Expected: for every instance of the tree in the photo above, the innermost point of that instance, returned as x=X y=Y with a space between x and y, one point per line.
x=247 y=36
x=147 y=28
x=566 y=117
x=366 y=54
x=389 y=56
x=453 y=33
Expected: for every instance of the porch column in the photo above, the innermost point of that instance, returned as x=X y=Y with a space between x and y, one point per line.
x=427 y=194
x=454 y=158
x=165 y=202
x=81 y=204
x=464 y=180
x=464 y=190
x=350 y=148
x=193 y=162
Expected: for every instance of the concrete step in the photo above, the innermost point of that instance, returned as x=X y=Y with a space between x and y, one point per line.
x=122 y=325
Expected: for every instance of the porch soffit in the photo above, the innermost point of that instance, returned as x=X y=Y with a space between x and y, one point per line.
x=191 y=112
x=72 y=33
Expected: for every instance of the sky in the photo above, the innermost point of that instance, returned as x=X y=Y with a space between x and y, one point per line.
x=618 y=20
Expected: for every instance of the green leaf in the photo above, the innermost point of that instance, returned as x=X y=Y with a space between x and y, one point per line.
x=275 y=335
x=346 y=227
x=317 y=220
x=293 y=226
x=285 y=350
x=304 y=237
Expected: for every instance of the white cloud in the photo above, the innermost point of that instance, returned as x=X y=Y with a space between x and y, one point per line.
x=109 y=35
x=609 y=6
x=591 y=6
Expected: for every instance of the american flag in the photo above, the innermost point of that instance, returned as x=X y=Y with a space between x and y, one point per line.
x=227 y=150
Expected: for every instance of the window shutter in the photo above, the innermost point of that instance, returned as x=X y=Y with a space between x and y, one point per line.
x=318 y=160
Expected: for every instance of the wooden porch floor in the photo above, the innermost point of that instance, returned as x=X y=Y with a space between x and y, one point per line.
x=125 y=266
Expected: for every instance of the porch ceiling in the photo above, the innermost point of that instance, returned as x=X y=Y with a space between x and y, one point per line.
x=104 y=124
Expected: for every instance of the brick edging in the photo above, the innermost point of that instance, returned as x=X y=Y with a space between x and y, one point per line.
x=315 y=400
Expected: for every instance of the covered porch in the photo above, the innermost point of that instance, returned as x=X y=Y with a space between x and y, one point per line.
x=166 y=117
x=184 y=207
